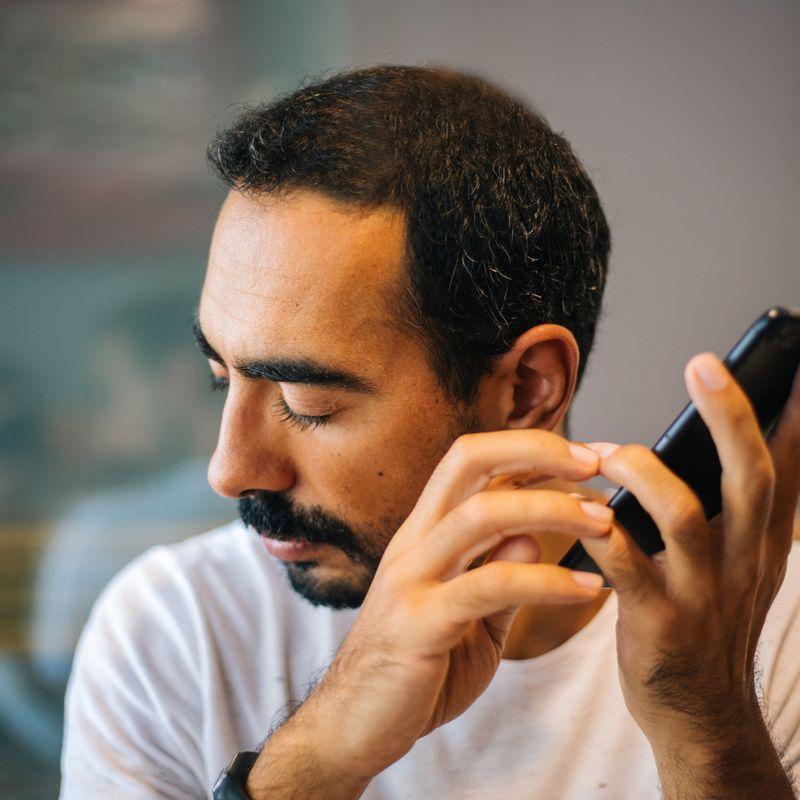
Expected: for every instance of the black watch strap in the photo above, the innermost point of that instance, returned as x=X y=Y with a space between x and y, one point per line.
x=232 y=781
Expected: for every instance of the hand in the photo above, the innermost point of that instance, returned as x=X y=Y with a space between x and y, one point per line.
x=690 y=618
x=430 y=633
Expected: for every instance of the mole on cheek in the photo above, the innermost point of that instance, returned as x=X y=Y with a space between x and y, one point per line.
x=381 y=474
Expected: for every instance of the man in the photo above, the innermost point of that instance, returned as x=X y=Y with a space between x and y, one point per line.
x=402 y=292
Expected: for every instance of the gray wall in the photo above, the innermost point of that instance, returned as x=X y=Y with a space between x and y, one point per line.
x=688 y=118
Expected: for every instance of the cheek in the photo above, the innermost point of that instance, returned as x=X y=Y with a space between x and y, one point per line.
x=378 y=469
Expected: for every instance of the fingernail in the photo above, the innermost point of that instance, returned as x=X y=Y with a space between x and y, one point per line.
x=710 y=371
x=579 y=495
x=603 y=449
x=602 y=513
x=584 y=455
x=587 y=579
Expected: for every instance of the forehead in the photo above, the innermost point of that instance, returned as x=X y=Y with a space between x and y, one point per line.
x=301 y=271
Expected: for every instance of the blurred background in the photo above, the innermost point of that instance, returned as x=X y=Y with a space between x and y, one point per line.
x=687 y=116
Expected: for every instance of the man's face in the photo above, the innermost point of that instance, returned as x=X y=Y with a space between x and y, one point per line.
x=300 y=282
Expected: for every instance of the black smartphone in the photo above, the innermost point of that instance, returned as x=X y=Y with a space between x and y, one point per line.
x=763 y=362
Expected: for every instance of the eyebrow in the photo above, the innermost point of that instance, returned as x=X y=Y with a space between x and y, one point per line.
x=290 y=370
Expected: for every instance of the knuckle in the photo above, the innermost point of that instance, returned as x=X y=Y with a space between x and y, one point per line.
x=493 y=578
x=554 y=507
x=635 y=453
x=540 y=436
x=688 y=518
x=758 y=482
x=477 y=510
x=618 y=550
x=635 y=585
x=410 y=610
x=475 y=592
x=628 y=581
x=767 y=472
x=623 y=573
x=739 y=415
x=562 y=504
x=396 y=572
x=761 y=460
x=565 y=512
x=629 y=457
x=461 y=449
x=627 y=461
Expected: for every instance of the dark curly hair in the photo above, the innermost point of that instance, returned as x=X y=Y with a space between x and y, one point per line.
x=505 y=230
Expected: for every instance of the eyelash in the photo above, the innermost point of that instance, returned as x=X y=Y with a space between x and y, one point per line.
x=301 y=421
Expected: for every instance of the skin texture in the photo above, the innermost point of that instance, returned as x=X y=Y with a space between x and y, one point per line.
x=689 y=622
x=304 y=275
x=471 y=524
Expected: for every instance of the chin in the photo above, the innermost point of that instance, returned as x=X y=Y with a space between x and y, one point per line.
x=310 y=581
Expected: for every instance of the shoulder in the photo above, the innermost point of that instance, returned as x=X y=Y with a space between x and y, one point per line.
x=133 y=719
x=785 y=607
x=780 y=637
x=189 y=590
x=152 y=607
x=164 y=633
x=193 y=564
x=777 y=665
x=213 y=603
x=166 y=574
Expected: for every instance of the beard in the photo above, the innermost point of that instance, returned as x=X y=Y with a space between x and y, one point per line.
x=271 y=514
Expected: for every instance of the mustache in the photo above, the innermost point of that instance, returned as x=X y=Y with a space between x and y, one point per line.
x=273 y=515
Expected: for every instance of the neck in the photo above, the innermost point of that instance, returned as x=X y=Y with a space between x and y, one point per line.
x=538 y=629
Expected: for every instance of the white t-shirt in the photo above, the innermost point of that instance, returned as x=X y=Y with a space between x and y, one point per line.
x=194 y=648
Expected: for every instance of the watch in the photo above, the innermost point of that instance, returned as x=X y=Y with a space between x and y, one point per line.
x=232 y=781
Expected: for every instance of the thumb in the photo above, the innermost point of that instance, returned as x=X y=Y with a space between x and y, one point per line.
x=521 y=549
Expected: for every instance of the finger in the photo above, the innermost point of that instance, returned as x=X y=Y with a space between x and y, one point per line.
x=494 y=588
x=748 y=479
x=483 y=520
x=632 y=575
x=518 y=548
x=674 y=507
x=474 y=459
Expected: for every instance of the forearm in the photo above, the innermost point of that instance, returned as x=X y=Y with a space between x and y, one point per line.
x=294 y=764
x=732 y=763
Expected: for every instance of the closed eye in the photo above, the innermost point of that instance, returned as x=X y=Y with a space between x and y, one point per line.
x=301 y=421
x=218 y=384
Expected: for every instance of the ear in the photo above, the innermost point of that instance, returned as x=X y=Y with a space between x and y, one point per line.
x=537 y=378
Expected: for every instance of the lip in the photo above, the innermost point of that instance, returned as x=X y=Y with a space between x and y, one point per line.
x=293 y=550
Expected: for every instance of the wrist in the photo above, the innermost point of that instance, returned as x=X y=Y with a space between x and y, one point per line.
x=706 y=729
x=714 y=757
x=298 y=760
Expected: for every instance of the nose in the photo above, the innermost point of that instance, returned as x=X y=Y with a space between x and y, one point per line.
x=250 y=452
